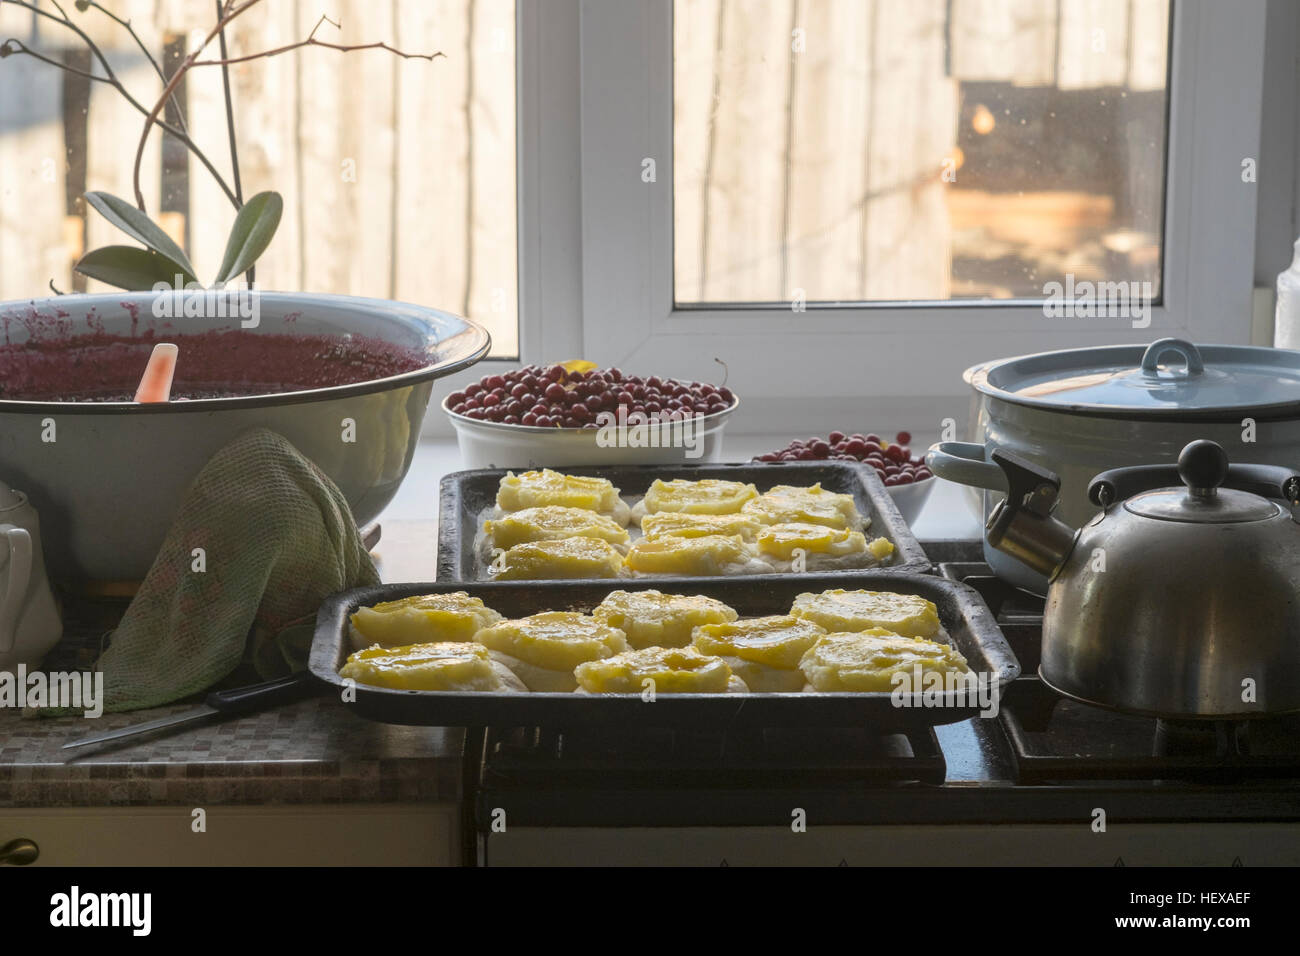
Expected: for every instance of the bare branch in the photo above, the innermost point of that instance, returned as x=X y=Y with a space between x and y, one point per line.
x=126 y=25
x=312 y=41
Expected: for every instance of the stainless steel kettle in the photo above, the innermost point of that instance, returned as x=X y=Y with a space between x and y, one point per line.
x=1173 y=601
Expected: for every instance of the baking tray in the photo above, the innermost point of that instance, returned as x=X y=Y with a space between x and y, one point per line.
x=465 y=495
x=963 y=614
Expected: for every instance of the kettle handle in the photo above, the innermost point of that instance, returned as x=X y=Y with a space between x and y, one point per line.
x=1118 y=484
x=19 y=543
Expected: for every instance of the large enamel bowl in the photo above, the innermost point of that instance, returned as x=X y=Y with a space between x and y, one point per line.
x=110 y=482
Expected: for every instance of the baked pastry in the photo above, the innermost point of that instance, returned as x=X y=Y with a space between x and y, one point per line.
x=866 y=661
x=420 y=619
x=823 y=548
x=552 y=523
x=674 y=670
x=909 y=615
x=787 y=504
x=536 y=489
x=682 y=524
x=710 y=555
x=565 y=558
x=764 y=652
x=708 y=496
x=441 y=665
x=543 y=649
x=655 y=619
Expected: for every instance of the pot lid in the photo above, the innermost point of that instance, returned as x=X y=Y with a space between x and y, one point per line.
x=1170 y=378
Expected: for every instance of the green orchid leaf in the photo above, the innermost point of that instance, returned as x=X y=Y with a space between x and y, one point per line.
x=251 y=234
x=131 y=268
x=140 y=227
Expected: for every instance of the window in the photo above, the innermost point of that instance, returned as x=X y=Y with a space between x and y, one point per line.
x=841 y=150
x=1176 y=206
x=398 y=175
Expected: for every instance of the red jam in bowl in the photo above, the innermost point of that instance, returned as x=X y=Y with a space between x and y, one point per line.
x=101 y=367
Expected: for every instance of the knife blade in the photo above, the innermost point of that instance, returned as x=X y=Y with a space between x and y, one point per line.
x=218 y=704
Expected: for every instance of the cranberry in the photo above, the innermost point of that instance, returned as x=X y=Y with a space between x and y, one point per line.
x=555 y=391
x=519 y=391
x=493 y=382
x=515 y=408
x=577 y=376
x=614 y=375
x=489 y=400
x=856 y=447
x=903 y=438
x=922 y=473
x=528 y=418
x=473 y=388
x=543 y=421
x=472 y=403
x=511 y=420
x=820 y=449
x=896 y=453
x=455 y=398
x=835 y=438
x=571 y=422
x=528 y=398
x=538 y=409
x=579 y=410
x=474 y=413
x=460 y=408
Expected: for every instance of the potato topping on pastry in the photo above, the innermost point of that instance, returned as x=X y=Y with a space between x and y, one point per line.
x=442 y=665
x=562 y=558
x=866 y=661
x=785 y=504
x=781 y=540
x=654 y=619
x=711 y=554
x=536 y=489
x=420 y=619
x=674 y=670
x=838 y=610
x=553 y=523
x=708 y=496
x=543 y=649
x=764 y=651
x=682 y=524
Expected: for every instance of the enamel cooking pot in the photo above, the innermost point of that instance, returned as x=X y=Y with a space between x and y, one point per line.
x=1083 y=411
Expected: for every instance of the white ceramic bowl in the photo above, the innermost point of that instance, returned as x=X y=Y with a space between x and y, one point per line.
x=107 y=489
x=485 y=444
x=910 y=499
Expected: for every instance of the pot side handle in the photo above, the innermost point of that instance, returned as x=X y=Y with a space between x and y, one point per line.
x=964 y=463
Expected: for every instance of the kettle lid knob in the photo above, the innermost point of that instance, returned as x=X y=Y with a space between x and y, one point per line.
x=1203 y=466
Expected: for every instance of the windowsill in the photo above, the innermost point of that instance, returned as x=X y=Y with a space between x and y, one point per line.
x=408 y=549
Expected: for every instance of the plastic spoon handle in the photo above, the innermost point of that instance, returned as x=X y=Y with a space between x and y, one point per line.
x=156 y=383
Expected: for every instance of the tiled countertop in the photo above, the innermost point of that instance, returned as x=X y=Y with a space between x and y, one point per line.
x=312 y=752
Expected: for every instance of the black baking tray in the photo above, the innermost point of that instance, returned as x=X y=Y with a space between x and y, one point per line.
x=961 y=611
x=465 y=495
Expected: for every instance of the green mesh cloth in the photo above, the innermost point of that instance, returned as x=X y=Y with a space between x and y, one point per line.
x=277 y=537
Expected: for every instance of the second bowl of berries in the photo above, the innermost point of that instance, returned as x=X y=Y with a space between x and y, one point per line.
x=576 y=413
x=904 y=474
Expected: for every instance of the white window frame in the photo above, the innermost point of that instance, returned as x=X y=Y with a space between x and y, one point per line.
x=796 y=370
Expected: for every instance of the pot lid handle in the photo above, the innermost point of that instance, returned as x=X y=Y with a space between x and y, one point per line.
x=1190 y=354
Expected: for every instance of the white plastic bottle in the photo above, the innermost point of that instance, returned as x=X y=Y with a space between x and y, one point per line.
x=1286 y=320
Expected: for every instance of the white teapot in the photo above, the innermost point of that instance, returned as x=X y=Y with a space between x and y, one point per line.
x=29 y=617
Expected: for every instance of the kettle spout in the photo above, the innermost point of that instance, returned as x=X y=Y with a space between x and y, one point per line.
x=1022 y=525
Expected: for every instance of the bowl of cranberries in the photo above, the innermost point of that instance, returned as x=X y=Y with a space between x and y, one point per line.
x=578 y=414
x=904 y=474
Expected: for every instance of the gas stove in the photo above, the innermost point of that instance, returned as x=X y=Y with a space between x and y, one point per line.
x=1048 y=780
